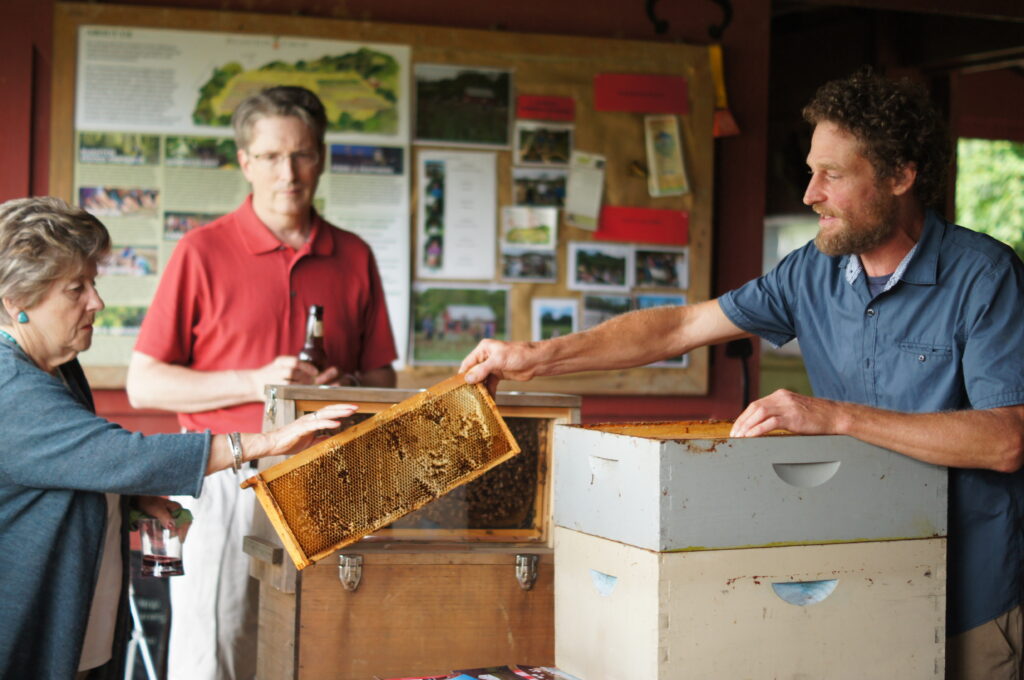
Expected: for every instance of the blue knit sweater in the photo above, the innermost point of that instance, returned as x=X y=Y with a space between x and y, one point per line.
x=57 y=458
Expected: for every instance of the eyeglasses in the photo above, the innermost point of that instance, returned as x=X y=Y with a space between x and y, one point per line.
x=299 y=159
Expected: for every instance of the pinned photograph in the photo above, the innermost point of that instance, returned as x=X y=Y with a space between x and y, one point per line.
x=584 y=191
x=118 y=148
x=119 y=201
x=527 y=227
x=433 y=212
x=599 y=308
x=177 y=224
x=539 y=186
x=600 y=266
x=129 y=261
x=448 y=321
x=211 y=153
x=119 y=320
x=352 y=159
x=554 y=317
x=649 y=300
x=543 y=143
x=520 y=264
x=662 y=267
x=463 y=105
x=666 y=166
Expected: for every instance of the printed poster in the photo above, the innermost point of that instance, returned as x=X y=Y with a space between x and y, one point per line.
x=155 y=154
x=666 y=174
x=456 y=220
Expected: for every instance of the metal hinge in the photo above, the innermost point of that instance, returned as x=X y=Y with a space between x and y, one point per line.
x=526 y=570
x=350 y=571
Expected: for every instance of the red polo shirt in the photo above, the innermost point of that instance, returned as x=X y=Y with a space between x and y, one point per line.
x=233 y=296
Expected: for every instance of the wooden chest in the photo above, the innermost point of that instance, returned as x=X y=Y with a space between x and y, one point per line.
x=466 y=583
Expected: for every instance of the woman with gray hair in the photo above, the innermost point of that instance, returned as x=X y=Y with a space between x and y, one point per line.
x=67 y=476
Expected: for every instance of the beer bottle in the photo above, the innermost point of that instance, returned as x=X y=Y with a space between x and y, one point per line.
x=313 y=349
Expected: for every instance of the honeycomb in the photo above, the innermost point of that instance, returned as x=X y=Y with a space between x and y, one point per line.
x=383 y=468
x=502 y=498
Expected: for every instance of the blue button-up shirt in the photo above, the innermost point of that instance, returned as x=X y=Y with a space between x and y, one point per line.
x=945 y=334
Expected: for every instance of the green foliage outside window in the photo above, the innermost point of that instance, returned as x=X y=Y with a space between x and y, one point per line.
x=990 y=189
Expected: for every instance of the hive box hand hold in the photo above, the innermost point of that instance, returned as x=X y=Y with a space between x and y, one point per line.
x=342 y=488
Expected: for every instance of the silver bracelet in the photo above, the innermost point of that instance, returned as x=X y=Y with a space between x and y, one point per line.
x=235 y=441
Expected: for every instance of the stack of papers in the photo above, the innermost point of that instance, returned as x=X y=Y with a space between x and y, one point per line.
x=514 y=672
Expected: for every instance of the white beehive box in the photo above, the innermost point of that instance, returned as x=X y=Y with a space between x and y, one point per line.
x=687 y=486
x=852 y=611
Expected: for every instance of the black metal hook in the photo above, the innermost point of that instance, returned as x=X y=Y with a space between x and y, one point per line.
x=660 y=25
x=742 y=349
x=717 y=31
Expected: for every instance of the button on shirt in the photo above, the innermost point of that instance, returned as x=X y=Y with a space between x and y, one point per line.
x=945 y=334
x=232 y=297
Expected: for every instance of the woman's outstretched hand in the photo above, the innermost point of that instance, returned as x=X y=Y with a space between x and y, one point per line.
x=300 y=433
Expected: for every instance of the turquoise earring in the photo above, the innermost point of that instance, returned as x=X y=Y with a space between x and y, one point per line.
x=22 y=317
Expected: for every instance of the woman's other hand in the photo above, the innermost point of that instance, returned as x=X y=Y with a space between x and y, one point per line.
x=158 y=507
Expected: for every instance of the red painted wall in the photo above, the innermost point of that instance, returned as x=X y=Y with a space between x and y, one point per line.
x=25 y=45
x=26 y=34
x=988 y=105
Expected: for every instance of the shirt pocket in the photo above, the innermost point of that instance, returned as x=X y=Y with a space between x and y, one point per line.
x=919 y=376
x=927 y=356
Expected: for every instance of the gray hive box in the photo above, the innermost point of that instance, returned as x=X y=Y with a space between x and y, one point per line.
x=688 y=486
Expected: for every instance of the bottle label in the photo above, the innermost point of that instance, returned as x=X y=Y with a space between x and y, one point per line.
x=318 y=329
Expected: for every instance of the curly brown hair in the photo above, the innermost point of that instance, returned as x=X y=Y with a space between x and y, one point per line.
x=896 y=124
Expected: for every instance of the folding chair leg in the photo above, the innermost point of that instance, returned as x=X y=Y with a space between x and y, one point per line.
x=137 y=642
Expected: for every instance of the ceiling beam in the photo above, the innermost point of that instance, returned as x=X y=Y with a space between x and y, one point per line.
x=1001 y=10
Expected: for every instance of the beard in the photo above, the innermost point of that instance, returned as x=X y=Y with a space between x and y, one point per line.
x=860 y=233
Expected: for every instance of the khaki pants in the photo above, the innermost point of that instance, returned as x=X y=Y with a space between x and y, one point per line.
x=992 y=651
x=214 y=606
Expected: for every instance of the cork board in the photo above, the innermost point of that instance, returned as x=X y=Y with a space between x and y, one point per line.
x=542 y=65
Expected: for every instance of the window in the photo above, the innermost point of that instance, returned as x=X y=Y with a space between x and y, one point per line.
x=990 y=189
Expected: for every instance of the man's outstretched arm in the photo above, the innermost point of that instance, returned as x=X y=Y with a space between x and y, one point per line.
x=152 y=383
x=992 y=439
x=634 y=339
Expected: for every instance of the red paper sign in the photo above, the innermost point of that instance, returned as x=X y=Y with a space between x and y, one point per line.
x=644 y=225
x=536 y=107
x=638 y=93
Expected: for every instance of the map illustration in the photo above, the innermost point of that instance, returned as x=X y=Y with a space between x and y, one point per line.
x=359 y=89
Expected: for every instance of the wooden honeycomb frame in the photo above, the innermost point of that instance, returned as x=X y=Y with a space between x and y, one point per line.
x=360 y=480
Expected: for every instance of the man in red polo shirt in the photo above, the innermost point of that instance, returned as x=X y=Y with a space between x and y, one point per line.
x=228 y=318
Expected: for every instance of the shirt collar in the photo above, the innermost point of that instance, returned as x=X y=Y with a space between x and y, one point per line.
x=924 y=269
x=920 y=265
x=258 y=239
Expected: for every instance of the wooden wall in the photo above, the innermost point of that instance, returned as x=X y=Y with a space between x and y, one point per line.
x=739 y=163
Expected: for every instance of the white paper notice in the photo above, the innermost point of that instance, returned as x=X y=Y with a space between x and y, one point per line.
x=586 y=184
x=141 y=79
x=367 y=191
x=456 y=218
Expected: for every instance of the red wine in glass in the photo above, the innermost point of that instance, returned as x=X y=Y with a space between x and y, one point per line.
x=160 y=566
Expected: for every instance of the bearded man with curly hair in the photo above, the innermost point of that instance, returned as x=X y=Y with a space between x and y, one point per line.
x=910 y=331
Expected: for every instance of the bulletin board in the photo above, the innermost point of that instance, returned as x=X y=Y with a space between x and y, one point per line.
x=542 y=65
